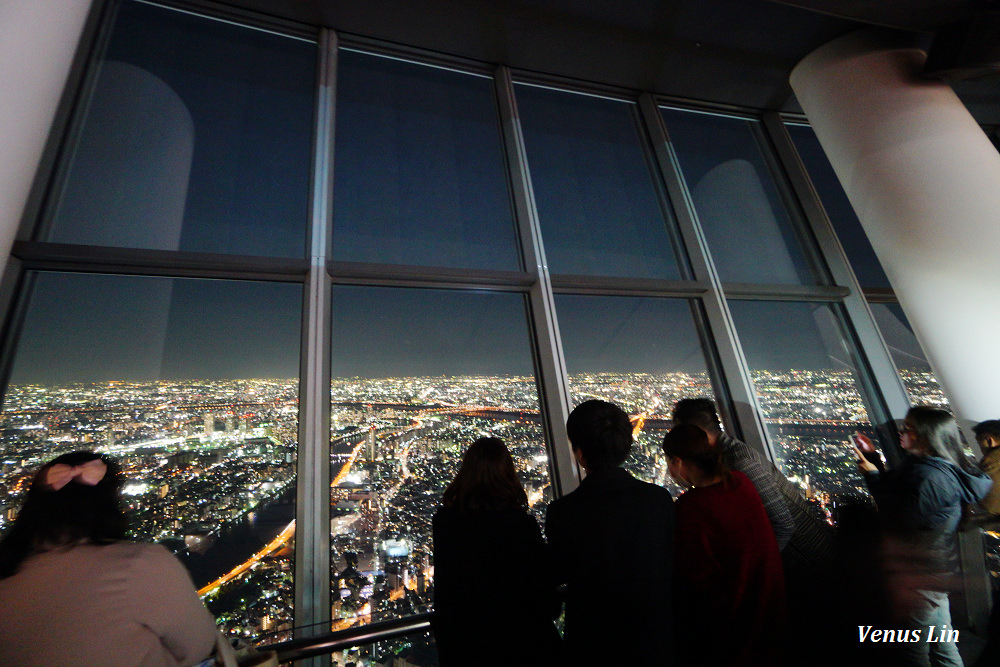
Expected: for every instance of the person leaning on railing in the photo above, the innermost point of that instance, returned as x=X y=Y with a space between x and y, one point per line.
x=74 y=592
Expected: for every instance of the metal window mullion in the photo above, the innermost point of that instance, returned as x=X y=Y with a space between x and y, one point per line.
x=805 y=239
x=553 y=382
x=239 y=16
x=37 y=255
x=758 y=292
x=733 y=366
x=312 y=511
x=884 y=393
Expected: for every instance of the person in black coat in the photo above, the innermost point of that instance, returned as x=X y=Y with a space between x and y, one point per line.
x=612 y=542
x=494 y=593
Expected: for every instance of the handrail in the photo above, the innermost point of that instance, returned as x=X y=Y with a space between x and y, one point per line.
x=307 y=647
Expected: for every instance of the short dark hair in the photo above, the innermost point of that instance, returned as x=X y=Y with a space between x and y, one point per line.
x=486 y=481
x=73 y=513
x=689 y=443
x=989 y=427
x=698 y=411
x=602 y=432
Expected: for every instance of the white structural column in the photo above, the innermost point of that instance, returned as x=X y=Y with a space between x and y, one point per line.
x=925 y=182
x=37 y=43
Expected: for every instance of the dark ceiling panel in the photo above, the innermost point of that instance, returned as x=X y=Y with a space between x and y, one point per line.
x=736 y=52
x=925 y=15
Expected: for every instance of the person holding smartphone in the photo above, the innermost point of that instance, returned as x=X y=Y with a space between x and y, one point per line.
x=920 y=503
x=864 y=450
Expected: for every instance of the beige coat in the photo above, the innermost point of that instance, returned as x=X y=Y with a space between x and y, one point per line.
x=121 y=604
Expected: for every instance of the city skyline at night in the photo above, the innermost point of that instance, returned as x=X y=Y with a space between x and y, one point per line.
x=209 y=467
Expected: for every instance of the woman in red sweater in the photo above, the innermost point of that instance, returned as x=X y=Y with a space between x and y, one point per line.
x=730 y=587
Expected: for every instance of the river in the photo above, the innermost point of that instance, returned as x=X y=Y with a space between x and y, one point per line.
x=242 y=539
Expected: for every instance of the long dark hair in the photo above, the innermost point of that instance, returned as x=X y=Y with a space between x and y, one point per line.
x=937 y=432
x=75 y=513
x=486 y=481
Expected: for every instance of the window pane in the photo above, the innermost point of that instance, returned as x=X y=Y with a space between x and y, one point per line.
x=155 y=372
x=749 y=233
x=640 y=353
x=198 y=137
x=920 y=383
x=413 y=385
x=806 y=385
x=593 y=185
x=419 y=176
x=867 y=268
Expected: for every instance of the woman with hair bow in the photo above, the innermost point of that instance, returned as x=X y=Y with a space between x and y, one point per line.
x=74 y=592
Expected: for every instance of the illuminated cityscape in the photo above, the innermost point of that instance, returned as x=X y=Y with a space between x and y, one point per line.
x=209 y=467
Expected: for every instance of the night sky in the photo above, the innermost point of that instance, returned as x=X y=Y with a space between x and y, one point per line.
x=86 y=328
x=82 y=328
x=628 y=335
x=389 y=332
x=251 y=96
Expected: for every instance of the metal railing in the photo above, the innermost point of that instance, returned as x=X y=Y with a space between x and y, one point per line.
x=307 y=647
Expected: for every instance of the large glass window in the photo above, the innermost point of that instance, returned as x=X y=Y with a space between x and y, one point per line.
x=641 y=353
x=418 y=375
x=419 y=175
x=748 y=230
x=197 y=136
x=805 y=381
x=594 y=187
x=154 y=371
x=921 y=384
x=867 y=268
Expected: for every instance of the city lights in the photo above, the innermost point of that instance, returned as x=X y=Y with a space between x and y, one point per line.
x=209 y=467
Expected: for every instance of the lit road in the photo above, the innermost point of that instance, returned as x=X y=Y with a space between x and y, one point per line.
x=281 y=540
x=537 y=495
x=289 y=531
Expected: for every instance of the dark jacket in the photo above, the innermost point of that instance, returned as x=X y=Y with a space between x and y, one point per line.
x=612 y=543
x=494 y=593
x=922 y=500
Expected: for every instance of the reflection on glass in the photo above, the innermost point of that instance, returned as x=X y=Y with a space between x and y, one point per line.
x=867 y=268
x=749 y=233
x=198 y=137
x=806 y=385
x=154 y=371
x=419 y=174
x=598 y=208
x=418 y=375
x=640 y=353
x=921 y=385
